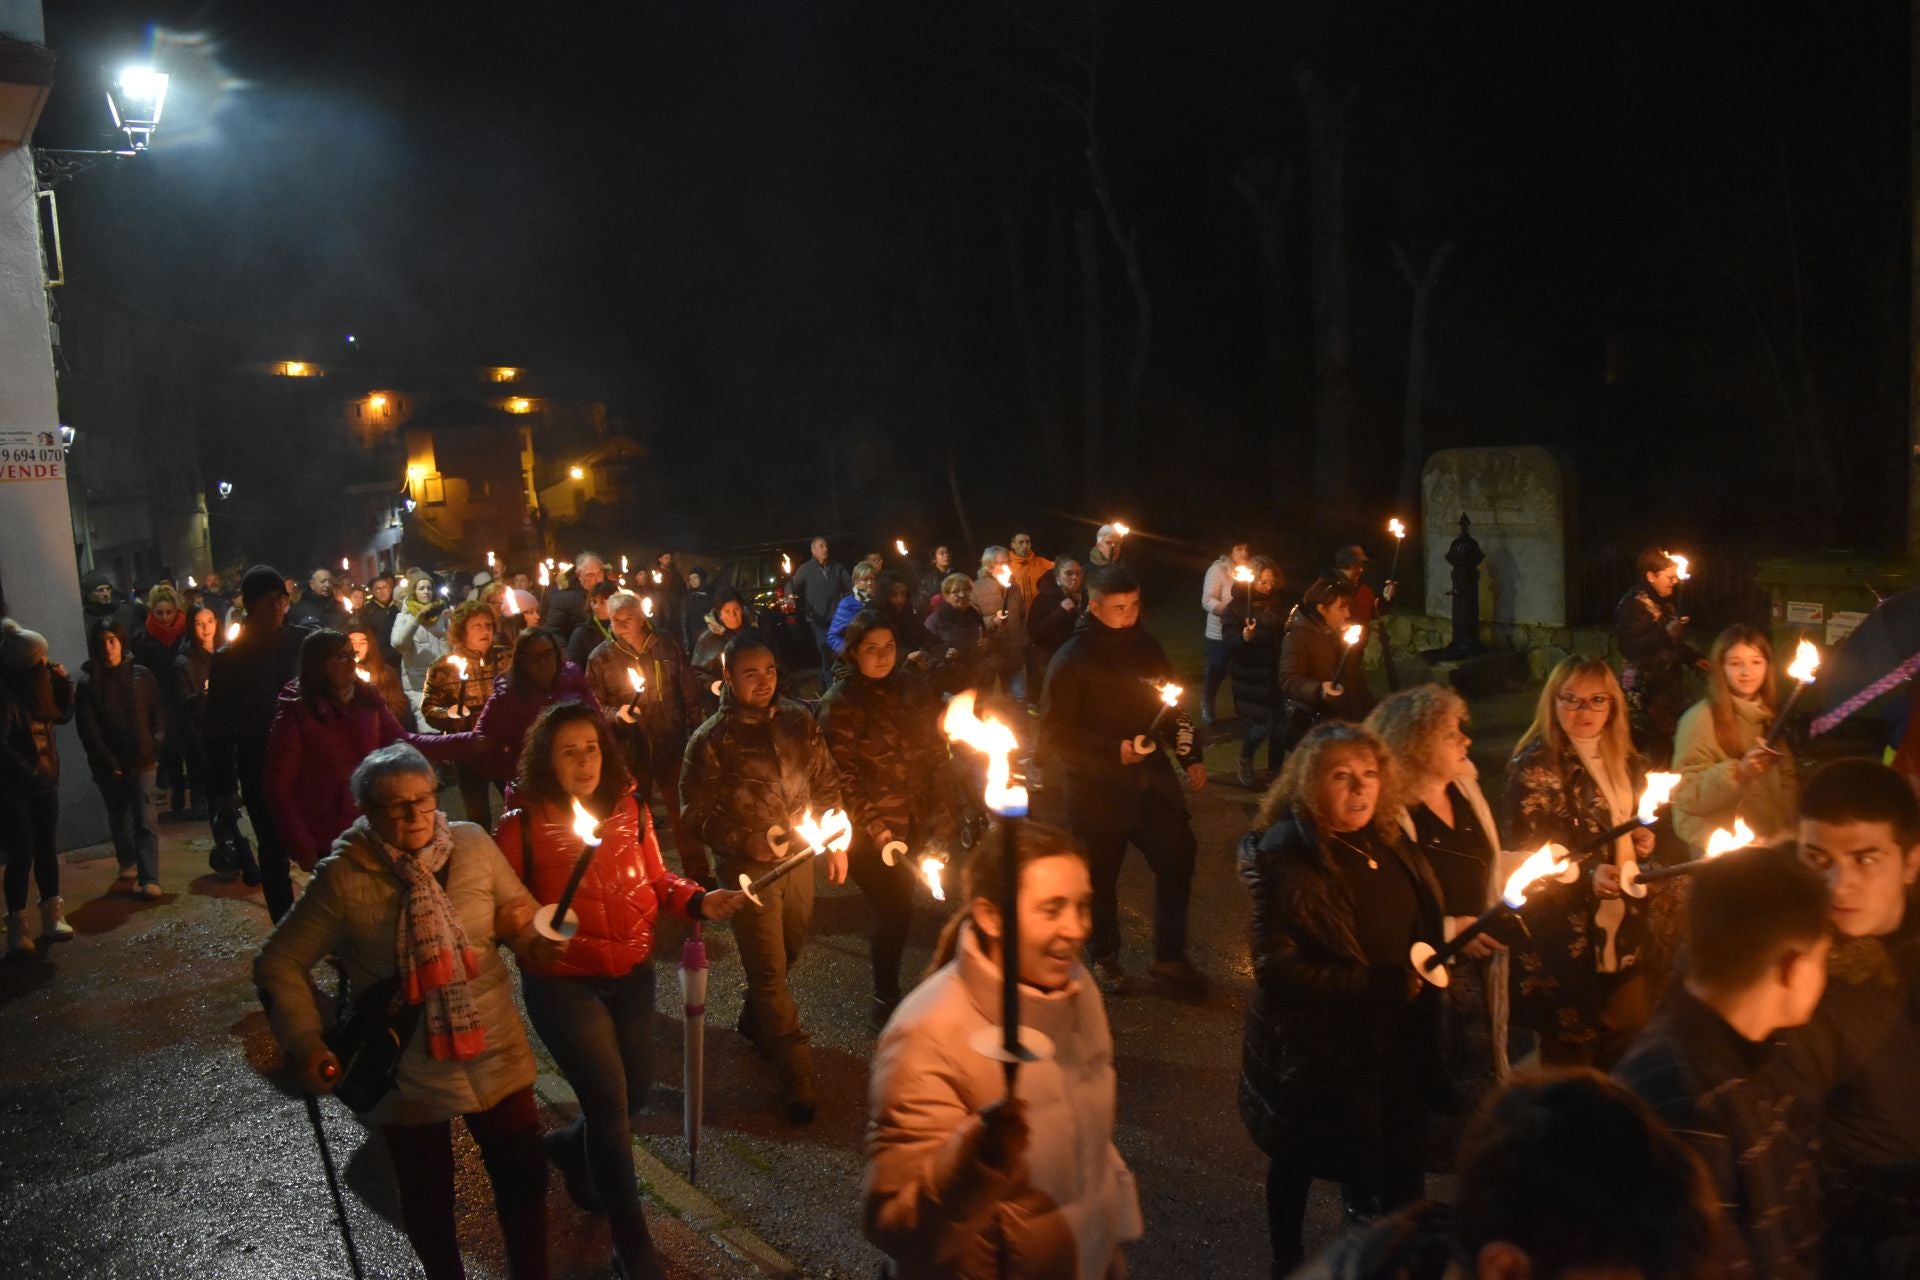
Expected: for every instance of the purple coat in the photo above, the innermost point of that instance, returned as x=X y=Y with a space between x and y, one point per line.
x=508 y=718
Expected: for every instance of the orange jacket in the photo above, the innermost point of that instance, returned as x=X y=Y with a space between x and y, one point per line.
x=1029 y=572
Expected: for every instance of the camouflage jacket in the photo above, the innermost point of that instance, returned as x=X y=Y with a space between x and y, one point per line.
x=446 y=692
x=895 y=774
x=669 y=706
x=750 y=769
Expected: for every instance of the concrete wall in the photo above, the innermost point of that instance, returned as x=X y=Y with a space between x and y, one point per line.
x=36 y=526
x=1516 y=498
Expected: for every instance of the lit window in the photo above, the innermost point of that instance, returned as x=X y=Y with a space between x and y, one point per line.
x=377 y=402
x=295 y=369
x=518 y=404
x=505 y=373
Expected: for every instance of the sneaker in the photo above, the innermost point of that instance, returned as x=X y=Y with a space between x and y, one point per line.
x=53 y=920
x=19 y=935
x=1186 y=981
x=564 y=1149
x=128 y=872
x=1111 y=977
x=150 y=890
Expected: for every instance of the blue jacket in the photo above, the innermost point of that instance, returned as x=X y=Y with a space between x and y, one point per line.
x=843 y=615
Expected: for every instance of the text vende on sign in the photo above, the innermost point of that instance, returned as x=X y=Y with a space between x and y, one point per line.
x=31 y=454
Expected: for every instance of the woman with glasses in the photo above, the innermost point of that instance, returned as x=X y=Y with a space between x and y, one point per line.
x=1586 y=979
x=408 y=895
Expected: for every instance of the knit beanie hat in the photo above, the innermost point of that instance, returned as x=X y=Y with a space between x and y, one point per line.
x=20 y=648
x=262 y=580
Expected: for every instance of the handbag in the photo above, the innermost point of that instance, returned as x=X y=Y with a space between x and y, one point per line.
x=371 y=1035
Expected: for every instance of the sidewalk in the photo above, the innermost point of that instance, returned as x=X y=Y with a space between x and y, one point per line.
x=144 y=1131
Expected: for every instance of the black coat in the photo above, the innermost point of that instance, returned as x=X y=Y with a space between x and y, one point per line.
x=192 y=671
x=316 y=612
x=243 y=694
x=1310 y=657
x=121 y=716
x=1049 y=625
x=29 y=751
x=378 y=620
x=1336 y=1062
x=1255 y=664
x=960 y=630
x=1099 y=693
x=895 y=774
x=565 y=609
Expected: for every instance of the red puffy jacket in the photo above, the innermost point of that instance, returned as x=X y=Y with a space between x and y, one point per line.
x=625 y=887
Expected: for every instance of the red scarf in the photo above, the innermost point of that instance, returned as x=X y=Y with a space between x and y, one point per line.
x=168 y=636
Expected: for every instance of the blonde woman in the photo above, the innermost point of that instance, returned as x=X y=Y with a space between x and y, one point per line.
x=1445 y=816
x=1726 y=769
x=1341 y=1066
x=1588 y=977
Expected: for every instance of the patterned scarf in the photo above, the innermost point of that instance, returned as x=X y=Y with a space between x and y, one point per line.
x=435 y=958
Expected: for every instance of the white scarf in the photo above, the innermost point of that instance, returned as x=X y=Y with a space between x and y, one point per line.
x=1616 y=790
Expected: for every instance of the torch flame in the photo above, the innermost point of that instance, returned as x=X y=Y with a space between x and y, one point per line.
x=233 y=632
x=900 y=545
x=930 y=868
x=566 y=566
x=646 y=605
x=365 y=676
x=1121 y=530
x=1806 y=661
x=345 y=564
x=1351 y=636
x=1725 y=841
x=657 y=579
x=509 y=602
x=459 y=665
x=1544 y=863
x=1243 y=573
x=191 y=582
x=786 y=564
x=832 y=833
x=1681 y=566
x=638 y=681
x=546 y=576
x=490 y=560
x=1395 y=528
x=1004 y=576
x=995 y=741
x=1170 y=694
x=623 y=564
x=1659 y=791
x=584 y=826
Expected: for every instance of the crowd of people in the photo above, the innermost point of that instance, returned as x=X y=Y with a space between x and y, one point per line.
x=1759 y=1013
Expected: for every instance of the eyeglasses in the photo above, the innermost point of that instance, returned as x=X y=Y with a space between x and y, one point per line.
x=1598 y=702
x=401 y=810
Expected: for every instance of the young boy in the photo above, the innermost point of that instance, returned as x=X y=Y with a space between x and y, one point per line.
x=1860 y=828
x=1708 y=1066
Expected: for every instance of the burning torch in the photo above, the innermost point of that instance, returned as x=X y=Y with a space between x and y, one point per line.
x=459 y=665
x=1634 y=881
x=639 y=683
x=1655 y=797
x=1349 y=638
x=831 y=834
x=1548 y=862
x=1169 y=694
x=557 y=920
x=1806 y=663
x=1399 y=532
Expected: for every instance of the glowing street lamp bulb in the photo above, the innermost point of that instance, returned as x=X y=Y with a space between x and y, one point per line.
x=1547 y=862
x=576 y=473
x=144 y=84
x=1395 y=528
x=376 y=402
x=930 y=868
x=1724 y=841
x=1659 y=791
x=584 y=826
x=1806 y=662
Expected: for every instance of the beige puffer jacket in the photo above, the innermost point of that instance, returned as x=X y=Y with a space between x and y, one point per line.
x=1078 y=1204
x=352 y=909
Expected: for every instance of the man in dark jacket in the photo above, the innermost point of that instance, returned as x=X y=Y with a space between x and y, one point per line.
x=695 y=606
x=1651 y=636
x=1860 y=828
x=316 y=606
x=1634 y=1203
x=1757 y=945
x=122 y=721
x=818 y=587
x=377 y=616
x=929 y=584
x=753 y=770
x=1057 y=608
x=1102 y=705
x=566 y=607
x=243 y=692
x=100 y=599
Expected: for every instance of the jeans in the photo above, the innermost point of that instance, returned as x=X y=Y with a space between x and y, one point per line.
x=27 y=822
x=1166 y=838
x=890 y=890
x=1262 y=727
x=600 y=1032
x=508 y=1135
x=769 y=939
x=276 y=871
x=1216 y=675
x=134 y=820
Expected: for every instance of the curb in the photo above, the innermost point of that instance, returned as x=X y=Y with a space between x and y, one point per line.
x=679 y=1197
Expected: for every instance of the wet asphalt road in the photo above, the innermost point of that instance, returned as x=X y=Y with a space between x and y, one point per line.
x=142 y=1131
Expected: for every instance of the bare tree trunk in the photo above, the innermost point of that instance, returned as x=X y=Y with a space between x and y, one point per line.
x=1412 y=422
x=1046 y=414
x=1268 y=198
x=1093 y=391
x=1127 y=416
x=959 y=507
x=1327 y=122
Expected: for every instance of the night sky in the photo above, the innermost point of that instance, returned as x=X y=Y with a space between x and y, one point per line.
x=775 y=238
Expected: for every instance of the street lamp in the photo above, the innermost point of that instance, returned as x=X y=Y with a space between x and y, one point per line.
x=135 y=98
x=577 y=473
x=226 y=490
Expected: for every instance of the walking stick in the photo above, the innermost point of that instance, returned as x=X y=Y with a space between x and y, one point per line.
x=333 y=1183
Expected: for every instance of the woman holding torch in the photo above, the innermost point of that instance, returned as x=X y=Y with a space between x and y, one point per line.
x=1726 y=768
x=1341 y=1065
x=1321 y=676
x=1586 y=980
x=458 y=685
x=593 y=1006
x=1252 y=625
x=964 y=1181
x=881 y=723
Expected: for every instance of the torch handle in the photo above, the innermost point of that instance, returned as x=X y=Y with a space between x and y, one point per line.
x=1010 y=946
x=782 y=869
x=580 y=865
x=1458 y=942
x=1780 y=721
x=1677 y=871
x=1588 y=848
